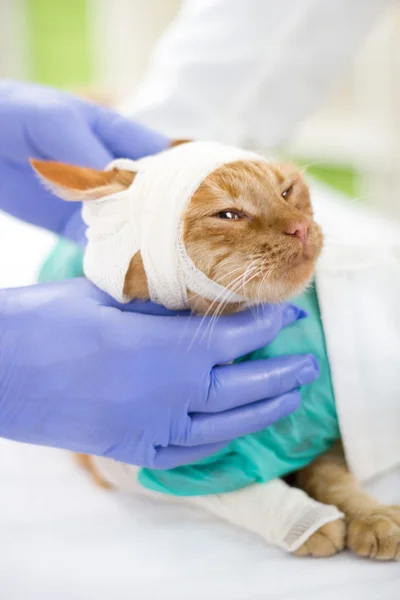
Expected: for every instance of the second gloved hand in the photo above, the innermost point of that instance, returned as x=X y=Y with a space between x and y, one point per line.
x=77 y=372
x=45 y=123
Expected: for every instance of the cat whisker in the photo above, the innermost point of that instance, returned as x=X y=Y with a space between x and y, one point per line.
x=255 y=307
x=220 y=280
x=194 y=296
x=315 y=163
x=228 y=294
x=259 y=290
x=254 y=271
x=223 y=305
x=220 y=298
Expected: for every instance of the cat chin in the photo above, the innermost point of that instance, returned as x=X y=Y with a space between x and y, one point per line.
x=285 y=286
x=282 y=291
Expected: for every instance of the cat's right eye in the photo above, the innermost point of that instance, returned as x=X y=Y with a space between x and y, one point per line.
x=229 y=215
x=287 y=192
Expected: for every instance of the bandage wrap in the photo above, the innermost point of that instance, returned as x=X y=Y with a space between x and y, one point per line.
x=281 y=515
x=148 y=217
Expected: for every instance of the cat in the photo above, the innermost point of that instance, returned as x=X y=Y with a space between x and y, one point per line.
x=250 y=227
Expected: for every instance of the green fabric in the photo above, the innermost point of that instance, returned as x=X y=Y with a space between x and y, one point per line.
x=65 y=262
x=284 y=447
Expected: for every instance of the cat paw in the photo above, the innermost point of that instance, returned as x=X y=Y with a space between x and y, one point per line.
x=326 y=541
x=376 y=535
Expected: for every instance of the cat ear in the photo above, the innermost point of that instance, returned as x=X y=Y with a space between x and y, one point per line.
x=178 y=143
x=79 y=183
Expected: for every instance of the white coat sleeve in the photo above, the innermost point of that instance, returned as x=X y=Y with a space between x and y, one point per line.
x=248 y=72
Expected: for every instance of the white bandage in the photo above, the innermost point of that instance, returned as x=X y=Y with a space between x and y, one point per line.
x=283 y=516
x=148 y=217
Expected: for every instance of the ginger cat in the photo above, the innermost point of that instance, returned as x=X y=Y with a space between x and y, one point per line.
x=249 y=226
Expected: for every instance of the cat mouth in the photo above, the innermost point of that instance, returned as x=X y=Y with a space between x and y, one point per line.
x=309 y=255
x=310 y=251
x=306 y=256
x=297 y=268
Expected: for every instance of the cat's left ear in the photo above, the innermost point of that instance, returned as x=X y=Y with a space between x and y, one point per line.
x=79 y=183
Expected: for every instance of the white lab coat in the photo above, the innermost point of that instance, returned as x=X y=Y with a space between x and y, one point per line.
x=358 y=283
x=247 y=72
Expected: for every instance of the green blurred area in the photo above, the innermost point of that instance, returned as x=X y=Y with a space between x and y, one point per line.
x=341 y=177
x=59 y=42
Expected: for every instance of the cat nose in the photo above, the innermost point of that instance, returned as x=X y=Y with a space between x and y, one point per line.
x=299 y=229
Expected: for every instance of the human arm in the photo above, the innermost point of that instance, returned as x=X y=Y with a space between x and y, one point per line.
x=249 y=72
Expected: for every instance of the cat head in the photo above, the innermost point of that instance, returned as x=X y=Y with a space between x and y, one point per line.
x=248 y=226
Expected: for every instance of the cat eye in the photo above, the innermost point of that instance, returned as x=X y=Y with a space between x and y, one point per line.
x=287 y=192
x=230 y=215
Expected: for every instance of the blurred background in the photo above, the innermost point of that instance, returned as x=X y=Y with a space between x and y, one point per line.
x=103 y=47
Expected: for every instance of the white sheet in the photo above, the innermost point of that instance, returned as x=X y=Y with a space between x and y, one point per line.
x=63 y=539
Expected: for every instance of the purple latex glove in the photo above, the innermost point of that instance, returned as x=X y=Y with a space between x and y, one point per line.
x=76 y=372
x=45 y=123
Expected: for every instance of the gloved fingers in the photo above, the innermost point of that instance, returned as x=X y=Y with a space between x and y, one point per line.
x=176 y=456
x=223 y=426
x=124 y=138
x=244 y=383
x=235 y=335
x=144 y=307
x=82 y=288
x=75 y=228
x=64 y=135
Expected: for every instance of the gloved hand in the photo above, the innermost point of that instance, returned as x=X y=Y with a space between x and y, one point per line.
x=45 y=123
x=78 y=373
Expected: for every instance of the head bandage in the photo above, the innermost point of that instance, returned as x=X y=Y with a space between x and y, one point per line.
x=148 y=217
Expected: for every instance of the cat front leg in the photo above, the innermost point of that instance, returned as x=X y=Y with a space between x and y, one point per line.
x=283 y=516
x=373 y=529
